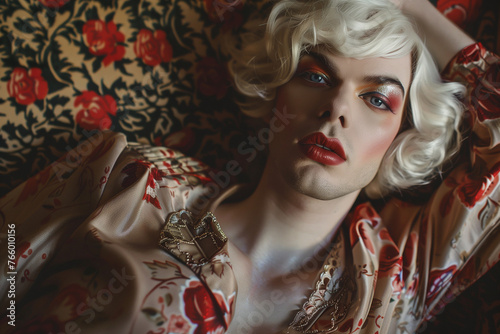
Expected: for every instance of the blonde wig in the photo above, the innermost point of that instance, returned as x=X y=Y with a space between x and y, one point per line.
x=359 y=29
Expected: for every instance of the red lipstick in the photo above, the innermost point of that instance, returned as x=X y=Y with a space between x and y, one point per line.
x=326 y=151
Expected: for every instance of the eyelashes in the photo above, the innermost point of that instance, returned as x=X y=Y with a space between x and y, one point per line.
x=315 y=77
x=377 y=100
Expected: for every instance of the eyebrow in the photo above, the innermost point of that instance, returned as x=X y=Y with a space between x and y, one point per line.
x=374 y=79
x=384 y=80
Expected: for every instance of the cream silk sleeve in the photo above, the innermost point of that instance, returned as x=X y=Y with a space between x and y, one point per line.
x=86 y=234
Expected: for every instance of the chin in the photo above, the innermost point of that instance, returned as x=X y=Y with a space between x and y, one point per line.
x=320 y=189
x=330 y=194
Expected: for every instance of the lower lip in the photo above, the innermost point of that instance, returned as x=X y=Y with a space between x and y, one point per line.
x=321 y=155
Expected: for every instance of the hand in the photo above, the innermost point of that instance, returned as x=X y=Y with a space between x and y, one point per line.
x=442 y=37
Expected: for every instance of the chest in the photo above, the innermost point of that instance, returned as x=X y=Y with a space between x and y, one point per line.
x=266 y=302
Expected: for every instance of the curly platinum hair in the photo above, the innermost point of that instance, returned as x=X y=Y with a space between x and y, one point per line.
x=268 y=58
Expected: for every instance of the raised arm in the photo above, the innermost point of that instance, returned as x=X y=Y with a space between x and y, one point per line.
x=442 y=37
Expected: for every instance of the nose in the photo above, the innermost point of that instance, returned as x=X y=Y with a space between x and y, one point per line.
x=336 y=106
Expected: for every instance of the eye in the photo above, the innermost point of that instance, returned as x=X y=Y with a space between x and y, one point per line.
x=315 y=78
x=376 y=101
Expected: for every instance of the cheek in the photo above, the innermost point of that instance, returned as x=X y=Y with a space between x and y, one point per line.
x=293 y=103
x=286 y=101
x=295 y=99
x=379 y=140
x=282 y=130
x=281 y=100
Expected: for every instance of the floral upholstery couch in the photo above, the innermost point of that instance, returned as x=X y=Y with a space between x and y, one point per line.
x=153 y=70
x=150 y=69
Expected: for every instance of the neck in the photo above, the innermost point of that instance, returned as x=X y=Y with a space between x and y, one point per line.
x=279 y=227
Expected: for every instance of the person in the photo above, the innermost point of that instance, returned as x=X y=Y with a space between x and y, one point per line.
x=143 y=239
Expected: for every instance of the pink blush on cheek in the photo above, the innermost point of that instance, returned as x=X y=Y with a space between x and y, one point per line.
x=377 y=150
x=381 y=141
x=381 y=138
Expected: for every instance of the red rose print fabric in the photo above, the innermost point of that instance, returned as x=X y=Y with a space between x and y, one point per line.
x=127 y=280
x=104 y=39
x=198 y=307
x=53 y=4
x=146 y=69
x=486 y=95
x=226 y=12
x=153 y=47
x=461 y=12
x=94 y=111
x=212 y=78
x=27 y=86
x=478 y=69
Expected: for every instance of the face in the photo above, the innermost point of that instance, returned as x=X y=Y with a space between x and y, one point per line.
x=346 y=114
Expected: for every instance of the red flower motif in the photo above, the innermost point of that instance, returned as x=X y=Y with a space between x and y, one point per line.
x=68 y=300
x=212 y=78
x=103 y=39
x=23 y=251
x=53 y=3
x=470 y=53
x=366 y=211
x=473 y=190
x=485 y=98
x=358 y=232
x=438 y=279
x=460 y=12
x=200 y=309
x=178 y=325
x=150 y=194
x=227 y=12
x=27 y=86
x=391 y=262
x=94 y=110
x=153 y=48
x=364 y=215
x=133 y=171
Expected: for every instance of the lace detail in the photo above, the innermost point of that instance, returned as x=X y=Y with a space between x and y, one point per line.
x=332 y=297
